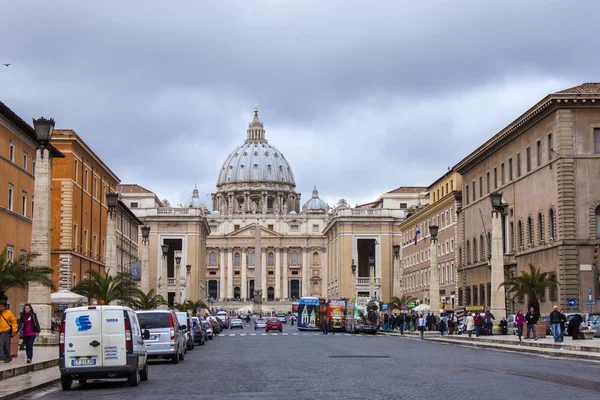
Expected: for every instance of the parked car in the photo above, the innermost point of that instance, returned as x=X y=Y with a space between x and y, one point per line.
x=546 y=319
x=236 y=323
x=215 y=325
x=102 y=342
x=199 y=331
x=185 y=320
x=596 y=327
x=510 y=321
x=282 y=318
x=584 y=323
x=274 y=324
x=222 y=315
x=260 y=323
x=208 y=329
x=166 y=339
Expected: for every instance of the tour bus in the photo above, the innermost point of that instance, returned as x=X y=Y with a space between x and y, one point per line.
x=309 y=317
x=336 y=312
x=362 y=315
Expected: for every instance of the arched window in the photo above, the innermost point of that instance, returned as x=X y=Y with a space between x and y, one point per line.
x=468 y=252
x=597 y=213
x=294 y=258
x=236 y=259
x=529 y=231
x=315 y=258
x=482 y=249
x=541 y=228
x=270 y=259
x=489 y=242
x=212 y=258
x=520 y=234
x=251 y=257
x=475 y=254
x=552 y=222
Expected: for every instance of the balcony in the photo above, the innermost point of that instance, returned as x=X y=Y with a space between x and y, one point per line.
x=295 y=266
x=212 y=267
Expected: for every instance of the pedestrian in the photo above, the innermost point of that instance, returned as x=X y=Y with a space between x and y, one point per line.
x=442 y=327
x=330 y=327
x=421 y=324
x=532 y=319
x=489 y=323
x=455 y=323
x=470 y=323
x=429 y=321
x=401 y=324
x=478 y=319
x=563 y=321
x=503 y=326
x=573 y=327
x=29 y=327
x=8 y=327
x=450 y=326
x=554 y=319
x=519 y=323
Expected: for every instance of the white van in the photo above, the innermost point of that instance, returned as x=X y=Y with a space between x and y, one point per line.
x=222 y=315
x=101 y=342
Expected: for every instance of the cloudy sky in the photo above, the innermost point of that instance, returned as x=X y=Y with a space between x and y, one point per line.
x=359 y=98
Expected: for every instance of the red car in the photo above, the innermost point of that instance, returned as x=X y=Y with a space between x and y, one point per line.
x=274 y=324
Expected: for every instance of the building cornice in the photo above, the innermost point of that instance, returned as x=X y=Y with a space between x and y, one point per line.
x=430 y=210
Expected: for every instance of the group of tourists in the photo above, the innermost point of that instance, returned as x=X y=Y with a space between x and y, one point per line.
x=481 y=324
x=27 y=326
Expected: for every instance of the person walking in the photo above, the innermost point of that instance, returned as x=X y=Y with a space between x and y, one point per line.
x=330 y=326
x=489 y=323
x=478 y=319
x=563 y=321
x=421 y=325
x=429 y=321
x=554 y=318
x=532 y=319
x=29 y=326
x=519 y=323
x=442 y=327
x=450 y=326
x=470 y=323
x=8 y=327
x=400 y=320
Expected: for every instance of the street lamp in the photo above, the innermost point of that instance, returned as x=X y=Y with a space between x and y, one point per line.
x=498 y=295
x=396 y=272
x=396 y=248
x=496 y=198
x=353 y=267
x=145 y=234
x=43 y=131
x=145 y=241
x=433 y=229
x=188 y=268
x=178 y=260
x=178 y=277
x=111 y=201
x=165 y=250
x=434 y=282
x=353 y=278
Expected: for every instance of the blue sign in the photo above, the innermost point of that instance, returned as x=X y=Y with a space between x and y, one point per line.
x=590 y=303
x=571 y=302
x=384 y=307
x=83 y=323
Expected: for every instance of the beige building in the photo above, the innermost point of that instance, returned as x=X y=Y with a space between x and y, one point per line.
x=546 y=164
x=444 y=197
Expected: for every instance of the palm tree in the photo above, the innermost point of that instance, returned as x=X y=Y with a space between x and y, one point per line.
x=194 y=305
x=20 y=274
x=396 y=302
x=147 y=301
x=107 y=289
x=532 y=284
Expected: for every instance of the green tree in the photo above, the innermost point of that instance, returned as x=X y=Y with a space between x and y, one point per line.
x=20 y=274
x=147 y=301
x=396 y=302
x=193 y=305
x=532 y=284
x=107 y=289
x=182 y=306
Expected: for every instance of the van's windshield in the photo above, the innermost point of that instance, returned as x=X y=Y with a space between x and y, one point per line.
x=154 y=320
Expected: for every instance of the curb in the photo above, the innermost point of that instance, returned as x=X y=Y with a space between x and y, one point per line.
x=30 y=389
x=27 y=368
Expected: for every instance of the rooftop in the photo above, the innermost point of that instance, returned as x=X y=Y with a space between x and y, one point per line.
x=584 y=88
x=409 y=189
x=132 y=188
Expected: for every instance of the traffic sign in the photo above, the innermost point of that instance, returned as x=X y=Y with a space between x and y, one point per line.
x=572 y=302
x=411 y=304
x=384 y=307
x=590 y=303
x=404 y=307
x=198 y=310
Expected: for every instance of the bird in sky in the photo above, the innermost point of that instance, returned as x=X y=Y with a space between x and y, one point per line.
x=7 y=65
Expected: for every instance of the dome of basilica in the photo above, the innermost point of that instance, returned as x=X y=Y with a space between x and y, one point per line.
x=256 y=160
x=315 y=204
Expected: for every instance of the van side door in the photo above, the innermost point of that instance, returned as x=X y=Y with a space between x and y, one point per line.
x=114 y=351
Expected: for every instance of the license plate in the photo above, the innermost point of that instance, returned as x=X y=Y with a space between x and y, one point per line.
x=153 y=337
x=83 y=361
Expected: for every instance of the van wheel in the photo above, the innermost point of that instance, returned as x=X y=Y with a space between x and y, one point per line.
x=175 y=358
x=144 y=372
x=66 y=381
x=134 y=377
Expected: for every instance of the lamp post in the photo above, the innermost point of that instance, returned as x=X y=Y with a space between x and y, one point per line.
x=112 y=199
x=145 y=242
x=163 y=282
x=396 y=274
x=354 y=279
x=178 y=278
x=371 y=276
x=39 y=295
x=434 y=282
x=498 y=295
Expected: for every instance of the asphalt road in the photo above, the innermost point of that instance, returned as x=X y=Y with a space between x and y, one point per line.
x=248 y=364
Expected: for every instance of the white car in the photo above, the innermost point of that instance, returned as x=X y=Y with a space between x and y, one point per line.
x=236 y=323
x=208 y=326
x=282 y=318
x=260 y=323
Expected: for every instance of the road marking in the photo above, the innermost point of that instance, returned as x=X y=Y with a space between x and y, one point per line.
x=242 y=334
x=232 y=334
x=221 y=334
x=273 y=334
x=263 y=334
x=253 y=334
x=295 y=334
x=284 y=334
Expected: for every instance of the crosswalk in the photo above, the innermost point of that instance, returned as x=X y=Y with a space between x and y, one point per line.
x=289 y=334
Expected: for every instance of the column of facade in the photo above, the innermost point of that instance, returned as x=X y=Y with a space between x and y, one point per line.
x=221 y=274
x=305 y=268
x=285 y=274
x=263 y=269
x=498 y=295
x=277 y=273
x=230 y=273
x=324 y=273
x=244 y=287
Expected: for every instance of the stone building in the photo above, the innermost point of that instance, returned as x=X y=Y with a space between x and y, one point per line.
x=443 y=200
x=546 y=165
x=80 y=182
x=17 y=163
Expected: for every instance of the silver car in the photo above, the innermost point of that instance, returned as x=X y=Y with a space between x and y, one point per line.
x=260 y=323
x=167 y=338
x=185 y=320
x=236 y=323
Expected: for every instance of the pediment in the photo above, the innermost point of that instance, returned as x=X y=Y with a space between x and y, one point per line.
x=248 y=231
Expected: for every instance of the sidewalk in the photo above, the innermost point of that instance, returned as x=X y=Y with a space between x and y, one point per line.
x=18 y=377
x=579 y=349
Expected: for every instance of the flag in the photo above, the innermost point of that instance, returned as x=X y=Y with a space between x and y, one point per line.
x=417 y=233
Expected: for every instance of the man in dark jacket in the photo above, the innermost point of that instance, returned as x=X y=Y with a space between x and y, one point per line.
x=532 y=318
x=574 y=325
x=554 y=319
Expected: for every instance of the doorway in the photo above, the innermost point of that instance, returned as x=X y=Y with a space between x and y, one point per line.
x=270 y=293
x=213 y=289
x=251 y=291
x=295 y=289
x=236 y=293
x=366 y=249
